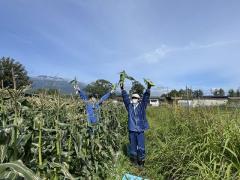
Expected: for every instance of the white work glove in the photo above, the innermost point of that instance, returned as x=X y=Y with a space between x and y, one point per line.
x=114 y=86
x=76 y=88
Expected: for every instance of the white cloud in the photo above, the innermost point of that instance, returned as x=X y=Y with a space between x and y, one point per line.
x=164 y=50
x=159 y=53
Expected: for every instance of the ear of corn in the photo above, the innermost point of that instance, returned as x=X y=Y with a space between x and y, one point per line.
x=149 y=83
x=114 y=87
x=123 y=76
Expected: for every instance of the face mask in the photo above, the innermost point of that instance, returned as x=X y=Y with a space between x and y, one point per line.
x=93 y=100
x=135 y=101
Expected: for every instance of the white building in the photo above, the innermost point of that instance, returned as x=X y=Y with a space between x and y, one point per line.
x=154 y=102
x=203 y=102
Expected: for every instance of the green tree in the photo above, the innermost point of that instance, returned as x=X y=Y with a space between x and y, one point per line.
x=231 y=93
x=198 y=93
x=189 y=93
x=219 y=92
x=98 y=88
x=164 y=95
x=181 y=93
x=137 y=87
x=12 y=73
x=238 y=93
x=173 y=93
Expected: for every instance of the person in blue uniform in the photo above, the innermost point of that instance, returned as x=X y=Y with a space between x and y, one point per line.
x=92 y=105
x=137 y=123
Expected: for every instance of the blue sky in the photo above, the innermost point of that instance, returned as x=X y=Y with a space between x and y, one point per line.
x=174 y=43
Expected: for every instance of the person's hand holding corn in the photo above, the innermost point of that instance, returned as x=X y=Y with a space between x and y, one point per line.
x=121 y=85
x=114 y=86
x=122 y=79
x=149 y=83
x=75 y=85
x=76 y=88
x=123 y=76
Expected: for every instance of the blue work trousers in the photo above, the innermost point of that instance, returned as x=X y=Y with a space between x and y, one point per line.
x=137 y=145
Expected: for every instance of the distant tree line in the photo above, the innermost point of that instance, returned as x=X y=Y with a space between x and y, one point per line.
x=234 y=93
x=218 y=92
x=187 y=93
x=13 y=75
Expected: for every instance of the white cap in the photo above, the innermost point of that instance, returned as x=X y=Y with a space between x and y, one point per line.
x=135 y=96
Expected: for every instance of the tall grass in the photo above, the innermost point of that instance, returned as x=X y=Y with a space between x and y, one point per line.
x=200 y=143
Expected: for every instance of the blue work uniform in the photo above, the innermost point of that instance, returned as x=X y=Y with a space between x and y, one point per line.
x=137 y=124
x=93 y=108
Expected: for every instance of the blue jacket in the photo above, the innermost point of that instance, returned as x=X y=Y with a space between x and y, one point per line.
x=137 y=120
x=92 y=109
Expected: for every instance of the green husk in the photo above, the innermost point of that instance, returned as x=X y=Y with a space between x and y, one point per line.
x=114 y=87
x=123 y=76
x=149 y=83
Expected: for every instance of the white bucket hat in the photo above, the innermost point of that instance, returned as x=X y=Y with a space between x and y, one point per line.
x=136 y=96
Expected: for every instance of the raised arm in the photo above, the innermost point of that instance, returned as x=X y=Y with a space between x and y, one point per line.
x=104 y=98
x=146 y=97
x=81 y=93
x=83 y=96
x=126 y=98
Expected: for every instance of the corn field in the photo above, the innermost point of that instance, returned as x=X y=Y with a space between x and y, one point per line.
x=48 y=137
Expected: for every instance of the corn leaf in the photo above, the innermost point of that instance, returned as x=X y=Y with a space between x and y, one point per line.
x=64 y=170
x=20 y=169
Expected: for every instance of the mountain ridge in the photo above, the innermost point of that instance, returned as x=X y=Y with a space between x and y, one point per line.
x=53 y=82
